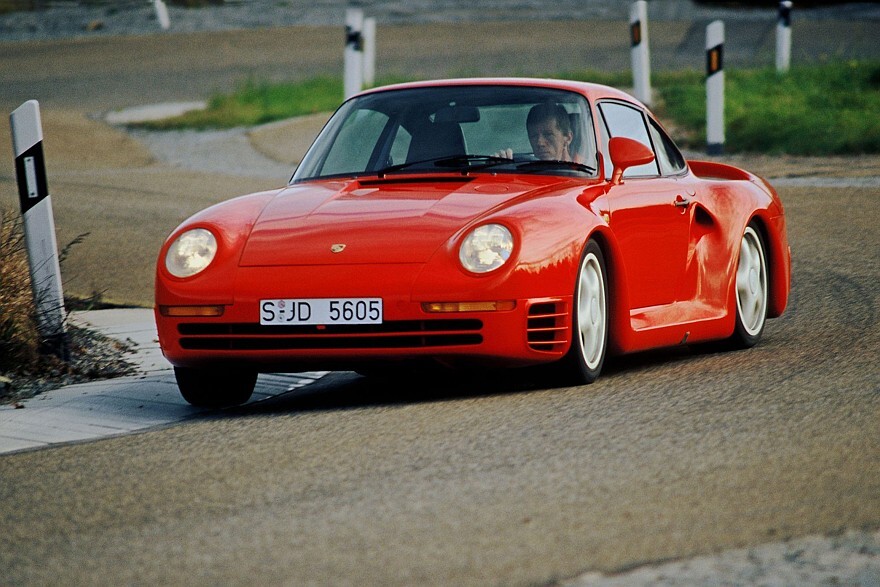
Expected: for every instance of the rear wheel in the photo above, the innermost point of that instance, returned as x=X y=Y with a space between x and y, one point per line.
x=751 y=290
x=215 y=388
x=589 y=317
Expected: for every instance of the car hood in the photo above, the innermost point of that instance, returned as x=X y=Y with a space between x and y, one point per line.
x=400 y=220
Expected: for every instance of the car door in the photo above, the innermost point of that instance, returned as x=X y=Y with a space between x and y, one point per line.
x=647 y=213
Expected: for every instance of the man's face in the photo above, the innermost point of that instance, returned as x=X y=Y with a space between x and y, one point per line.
x=548 y=141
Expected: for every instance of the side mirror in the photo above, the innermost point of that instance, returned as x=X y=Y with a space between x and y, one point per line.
x=626 y=153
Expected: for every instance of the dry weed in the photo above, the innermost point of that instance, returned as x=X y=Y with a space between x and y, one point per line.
x=19 y=338
x=91 y=355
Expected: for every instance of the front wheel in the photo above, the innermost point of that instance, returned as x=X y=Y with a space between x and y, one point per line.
x=589 y=317
x=215 y=388
x=751 y=290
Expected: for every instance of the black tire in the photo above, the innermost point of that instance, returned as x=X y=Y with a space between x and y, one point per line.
x=589 y=318
x=215 y=388
x=752 y=290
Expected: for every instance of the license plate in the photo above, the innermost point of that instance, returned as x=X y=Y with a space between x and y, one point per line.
x=288 y=312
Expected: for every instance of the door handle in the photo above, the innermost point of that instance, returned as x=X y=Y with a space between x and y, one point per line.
x=681 y=202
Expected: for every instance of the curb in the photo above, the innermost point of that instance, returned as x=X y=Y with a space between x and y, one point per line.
x=114 y=407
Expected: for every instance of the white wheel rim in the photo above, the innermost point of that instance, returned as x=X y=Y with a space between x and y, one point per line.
x=751 y=283
x=591 y=311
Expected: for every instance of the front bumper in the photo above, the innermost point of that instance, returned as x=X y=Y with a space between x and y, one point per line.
x=534 y=331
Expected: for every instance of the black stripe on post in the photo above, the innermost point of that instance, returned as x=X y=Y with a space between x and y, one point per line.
x=30 y=170
x=635 y=31
x=714 y=60
x=354 y=39
x=785 y=13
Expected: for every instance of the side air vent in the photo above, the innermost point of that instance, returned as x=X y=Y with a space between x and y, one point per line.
x=548 y=326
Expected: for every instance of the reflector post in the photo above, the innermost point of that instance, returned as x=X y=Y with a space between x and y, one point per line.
x=639 y=51
x=369 y=35
x=353 y=75
x=39 y=225
x=783 y=37
x=715 y=88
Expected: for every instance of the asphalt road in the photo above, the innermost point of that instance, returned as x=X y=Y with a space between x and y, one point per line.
x=497 y=479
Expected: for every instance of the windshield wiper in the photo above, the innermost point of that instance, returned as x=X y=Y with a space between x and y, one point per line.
x=543 y=164
x=461 y=162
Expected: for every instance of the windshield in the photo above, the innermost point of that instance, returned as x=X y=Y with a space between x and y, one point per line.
x=456 y=129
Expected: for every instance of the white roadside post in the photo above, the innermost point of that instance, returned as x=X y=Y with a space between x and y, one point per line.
x=162 y=14
x=354 y=52
x=783 y=37
x=641 y=60
x=369 y=52
x=39 y=225
x=715 y=88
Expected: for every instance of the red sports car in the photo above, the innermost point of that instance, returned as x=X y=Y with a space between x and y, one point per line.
x=502 y=222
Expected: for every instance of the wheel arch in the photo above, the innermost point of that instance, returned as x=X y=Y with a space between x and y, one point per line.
x=618 y=291
x=778 y=261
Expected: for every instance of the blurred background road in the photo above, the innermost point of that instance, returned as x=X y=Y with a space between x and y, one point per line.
x=98 y=71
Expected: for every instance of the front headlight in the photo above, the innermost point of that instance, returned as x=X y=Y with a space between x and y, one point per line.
x=191 y=252
x=486 y=248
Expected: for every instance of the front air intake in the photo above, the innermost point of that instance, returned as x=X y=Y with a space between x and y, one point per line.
x=402 y=334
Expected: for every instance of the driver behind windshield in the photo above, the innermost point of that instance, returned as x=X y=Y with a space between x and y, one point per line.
x=550 y=134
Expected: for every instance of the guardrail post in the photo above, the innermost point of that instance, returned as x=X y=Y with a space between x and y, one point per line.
x=162 y=14
x=369 y=51
x=39 y=225
x=783 y=37
x=354 y=51
x=639 y=51
x=715 y=88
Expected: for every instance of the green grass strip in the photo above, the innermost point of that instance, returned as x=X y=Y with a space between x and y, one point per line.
x=254 y=103
x=812 y=110
x=823 y=109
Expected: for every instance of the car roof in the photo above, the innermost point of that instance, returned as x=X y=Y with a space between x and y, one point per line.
x=592 y=91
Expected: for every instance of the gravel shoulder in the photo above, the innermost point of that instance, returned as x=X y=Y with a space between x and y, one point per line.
x=851 y=558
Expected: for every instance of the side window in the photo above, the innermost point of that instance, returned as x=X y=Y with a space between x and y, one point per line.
x=625 y=121
x=668 y=156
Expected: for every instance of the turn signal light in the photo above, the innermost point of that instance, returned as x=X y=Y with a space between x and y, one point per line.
x=191 y=311
x=437 y=307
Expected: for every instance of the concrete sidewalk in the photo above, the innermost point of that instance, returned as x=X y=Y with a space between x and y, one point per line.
x=89 y=411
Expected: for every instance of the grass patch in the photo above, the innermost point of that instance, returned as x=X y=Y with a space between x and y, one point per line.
x=827 y=109
x=830 y=109
x=255 y=103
